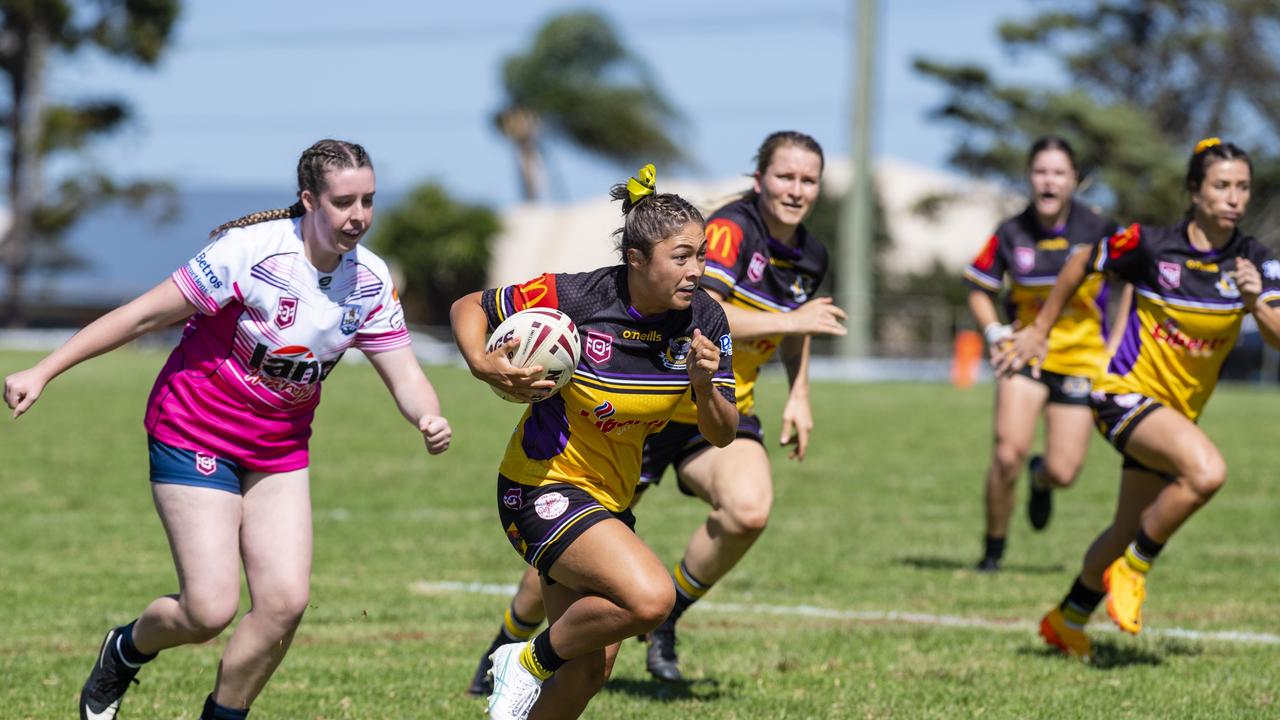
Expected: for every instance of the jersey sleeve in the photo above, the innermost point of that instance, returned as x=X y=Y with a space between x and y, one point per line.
x=1124 y=254
x=726 y=259
x=715 y=326
x=1269 y=268
x=986 y=272
x=208 y=280
x=384 y=329
x=503 y=302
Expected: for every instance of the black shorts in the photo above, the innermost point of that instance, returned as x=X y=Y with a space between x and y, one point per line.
x=1063 y=389
x=677 y=443
x=1116 y=416
x=541 y=522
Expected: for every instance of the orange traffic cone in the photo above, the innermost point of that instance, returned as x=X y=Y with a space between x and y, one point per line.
x=967 y=359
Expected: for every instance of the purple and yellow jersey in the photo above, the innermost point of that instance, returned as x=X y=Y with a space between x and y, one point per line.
x=1031 y=258
x=750 y=269
x=1186 y=312
x=630 y=378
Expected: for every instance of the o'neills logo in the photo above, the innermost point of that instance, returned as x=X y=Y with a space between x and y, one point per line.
x=295 y=363
x=650 y=336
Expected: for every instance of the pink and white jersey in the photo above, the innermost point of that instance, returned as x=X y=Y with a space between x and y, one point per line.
x=244 y=382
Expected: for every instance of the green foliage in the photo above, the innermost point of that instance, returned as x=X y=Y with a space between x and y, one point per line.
x=442 y=247
x=1146 y=81
x=884 y=515
x=37 y=33
x=579 y=82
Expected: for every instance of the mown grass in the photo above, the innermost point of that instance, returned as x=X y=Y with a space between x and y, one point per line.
x=884 y=515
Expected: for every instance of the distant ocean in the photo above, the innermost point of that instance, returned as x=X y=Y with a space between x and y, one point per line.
x=126 y=252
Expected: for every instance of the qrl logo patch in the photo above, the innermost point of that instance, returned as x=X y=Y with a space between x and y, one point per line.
x=599 y=347
x=206 y=464
x=551 y=506
x=513 y=498
x=755 y=270
x=286 y=311
x=1170 y=275
x=1024 y=258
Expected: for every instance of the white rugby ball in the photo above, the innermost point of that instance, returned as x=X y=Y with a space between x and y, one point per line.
x=547 y=338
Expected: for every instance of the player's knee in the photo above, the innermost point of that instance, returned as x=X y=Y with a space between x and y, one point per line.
x=1059 y=473
x=208 y=615
x=285 y=607
x=1009 y=457
x=747 y=516
x=1207 y=476
x=651 y=604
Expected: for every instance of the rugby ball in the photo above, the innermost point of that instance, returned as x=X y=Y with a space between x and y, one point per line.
x=547 y=338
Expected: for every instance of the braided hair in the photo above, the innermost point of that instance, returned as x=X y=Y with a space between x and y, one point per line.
x=314 y=163
x=650 y=217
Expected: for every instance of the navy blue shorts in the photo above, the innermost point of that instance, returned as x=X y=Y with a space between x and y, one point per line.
x=1116 y=415
x=177 y=466
x=541 y=522
x=676 y=443
x=1063 y=389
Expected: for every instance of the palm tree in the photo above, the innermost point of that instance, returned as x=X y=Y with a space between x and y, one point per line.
x=579 y=84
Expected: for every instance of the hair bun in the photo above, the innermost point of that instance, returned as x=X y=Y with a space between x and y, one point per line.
x=644 y=183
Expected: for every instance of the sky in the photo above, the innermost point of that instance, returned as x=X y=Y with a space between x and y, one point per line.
x=246 y=86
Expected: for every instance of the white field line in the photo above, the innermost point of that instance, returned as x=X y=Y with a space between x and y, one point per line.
x=425 y=587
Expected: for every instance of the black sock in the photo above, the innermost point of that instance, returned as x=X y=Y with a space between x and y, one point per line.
x=689 y=590
x=1147 y=548
x=995 y=548
x=544 y=655
x=126 y=651
x=1080 y=603
x=214 y=711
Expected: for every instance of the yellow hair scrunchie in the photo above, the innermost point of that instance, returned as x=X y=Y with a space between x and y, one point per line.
x=644 y=183
x=1207 y=143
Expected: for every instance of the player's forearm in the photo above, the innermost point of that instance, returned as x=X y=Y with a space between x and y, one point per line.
x=795 y=358
x=746 y=324
x=157 y=308
x=983 y=308
x=717 y=417
x=1268 y=318
x=470 y=326
x=1069 y=281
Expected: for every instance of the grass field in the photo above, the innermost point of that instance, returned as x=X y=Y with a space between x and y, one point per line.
x=885 y=515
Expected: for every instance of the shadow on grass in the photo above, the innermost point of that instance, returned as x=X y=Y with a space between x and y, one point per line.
x=946 y=564
x=1114 y=653
x=706 y=689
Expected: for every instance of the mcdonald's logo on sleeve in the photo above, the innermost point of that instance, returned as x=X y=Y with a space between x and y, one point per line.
x=538 y=292
x=987 y=257
x=724 y=240
x=1122 y=242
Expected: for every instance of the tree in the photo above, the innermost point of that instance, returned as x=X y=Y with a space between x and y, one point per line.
x=31 y=32
x=1146 y=80
x=579 y=84
x=441 y=246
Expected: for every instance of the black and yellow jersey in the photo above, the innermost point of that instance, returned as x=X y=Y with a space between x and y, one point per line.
x=1186 y=312
x=631 y=375
x=1031 y=257
x=750 y=269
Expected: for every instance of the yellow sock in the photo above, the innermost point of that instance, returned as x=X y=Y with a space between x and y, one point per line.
x=530 y=662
